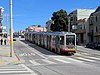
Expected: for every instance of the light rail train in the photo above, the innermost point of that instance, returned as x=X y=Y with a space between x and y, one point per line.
x=59 y=42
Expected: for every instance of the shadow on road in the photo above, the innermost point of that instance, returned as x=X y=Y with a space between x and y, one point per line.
x=42 y=50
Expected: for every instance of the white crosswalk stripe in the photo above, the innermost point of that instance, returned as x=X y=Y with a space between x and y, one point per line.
x=72 y=59
x=75 y=59
x=95 y=58
x=45 y=62
x=63 y=60
x=85 y=59
x=34 y=62
x=19 y=69
x=48 y=61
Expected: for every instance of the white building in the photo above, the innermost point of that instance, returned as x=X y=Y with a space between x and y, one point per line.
x=79 y=19
x=1 y=18
x=48 y=25
x=79 y=14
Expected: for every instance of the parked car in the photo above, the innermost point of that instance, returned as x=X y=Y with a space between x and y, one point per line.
x=93 y=45
x=90 y=45
x=98 y=46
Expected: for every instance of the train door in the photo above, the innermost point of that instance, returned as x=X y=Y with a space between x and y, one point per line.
x=62 y=41
x=45 y=41
x=36 y=38
x=57 y=44
x=32 y=38
x=52 y=42
x=42 y=40
x=48 y=41
x=26 y=36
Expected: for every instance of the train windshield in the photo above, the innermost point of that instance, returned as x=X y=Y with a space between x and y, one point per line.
x=70 y=40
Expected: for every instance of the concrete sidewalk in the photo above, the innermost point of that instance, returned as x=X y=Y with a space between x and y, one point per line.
x=5 y=58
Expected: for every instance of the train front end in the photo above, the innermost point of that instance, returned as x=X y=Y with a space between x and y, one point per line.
x=69 y=43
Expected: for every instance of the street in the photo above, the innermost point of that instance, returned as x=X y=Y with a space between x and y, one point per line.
x=35 y=60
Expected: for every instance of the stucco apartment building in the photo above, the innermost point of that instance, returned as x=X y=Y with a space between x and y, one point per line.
x=79 y=23
x=36 y=28
x=94 y=26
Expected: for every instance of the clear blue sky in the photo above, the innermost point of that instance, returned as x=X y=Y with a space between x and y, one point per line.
x=33 y=12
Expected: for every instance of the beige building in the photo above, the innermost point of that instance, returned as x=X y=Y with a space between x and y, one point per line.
x=78 y=14
x=80 y=25
x=36 y=28
x=82 y=31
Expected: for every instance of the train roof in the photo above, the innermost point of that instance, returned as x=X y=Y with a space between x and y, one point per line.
x=52 y=33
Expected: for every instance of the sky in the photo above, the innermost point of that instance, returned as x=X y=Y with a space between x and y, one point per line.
x=37 y=12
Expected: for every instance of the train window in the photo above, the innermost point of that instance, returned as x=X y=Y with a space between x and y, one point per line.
x=62 y=40
x=70 y=40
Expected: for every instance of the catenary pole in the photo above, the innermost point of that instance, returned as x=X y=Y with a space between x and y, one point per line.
x=7 y=25
x=11 y=30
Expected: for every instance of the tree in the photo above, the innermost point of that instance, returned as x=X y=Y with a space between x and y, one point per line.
x=60 y=19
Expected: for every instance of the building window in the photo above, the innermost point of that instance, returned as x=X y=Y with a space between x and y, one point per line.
x=84 y=26
x=96 y=29
x=91 y=22
x=96 y=18
x=71 y=19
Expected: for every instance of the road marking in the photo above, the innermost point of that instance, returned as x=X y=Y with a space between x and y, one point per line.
x=34 y=62
x=8 y=69
x=14 y=69
x=56 y=56
x=1 y=63
x=48 y=61
x=85 y=59
x=38 y=53
x=4 y=72
x=27 y=54
x=94 y=58
x=72 y=59
x=32 y=72
x=65 y=58
x=15 y=61
x=62 y=61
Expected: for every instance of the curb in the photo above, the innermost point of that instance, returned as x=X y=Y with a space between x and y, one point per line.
x=2 y=63
x=17 y=56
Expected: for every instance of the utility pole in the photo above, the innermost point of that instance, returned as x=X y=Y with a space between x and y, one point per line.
x=11 y=31
x=68 y=23
x=7 y=24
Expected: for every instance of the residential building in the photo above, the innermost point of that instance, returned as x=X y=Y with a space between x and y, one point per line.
x=77 y=15
x=36 y=28
x=48 y=25
x=1 y=18
x=82 y=31
x=80 y=25
x=94 y=26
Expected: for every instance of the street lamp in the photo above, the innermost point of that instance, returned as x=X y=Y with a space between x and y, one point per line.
x=11 y=31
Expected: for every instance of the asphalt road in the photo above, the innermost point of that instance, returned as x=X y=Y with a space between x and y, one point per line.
x=37 y=60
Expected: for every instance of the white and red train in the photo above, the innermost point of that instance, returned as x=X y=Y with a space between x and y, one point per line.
x=59 y=42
